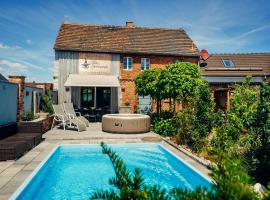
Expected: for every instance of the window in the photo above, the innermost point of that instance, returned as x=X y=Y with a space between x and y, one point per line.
x=127 y=63
x=228 y=62
x=145 y=63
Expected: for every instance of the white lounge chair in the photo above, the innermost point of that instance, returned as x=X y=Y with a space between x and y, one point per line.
x=60 y=116
x=69 y=110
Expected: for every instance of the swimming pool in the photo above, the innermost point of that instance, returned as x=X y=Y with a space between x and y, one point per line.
x=76 y=171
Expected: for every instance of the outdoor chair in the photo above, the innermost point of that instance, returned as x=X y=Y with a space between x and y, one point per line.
x=99 y=114
x=92 y=114
x=69 y=110
x=61 y=117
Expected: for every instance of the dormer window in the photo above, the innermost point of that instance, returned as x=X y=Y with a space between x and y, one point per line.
x=227 y=63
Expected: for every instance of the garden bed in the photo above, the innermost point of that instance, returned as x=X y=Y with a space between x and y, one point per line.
x=40 y=125
x=189 y=153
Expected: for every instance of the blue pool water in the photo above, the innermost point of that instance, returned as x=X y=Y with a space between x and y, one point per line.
x=76 y=171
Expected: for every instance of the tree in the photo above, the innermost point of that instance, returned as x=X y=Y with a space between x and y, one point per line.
x=231 y=177
x=204 y=110
x=178 y=80
x=153 y=83
x=46 y=102
x=259 y=152
x=243 y=108
x=231 y=182
x=184 y=77
x=130 y=185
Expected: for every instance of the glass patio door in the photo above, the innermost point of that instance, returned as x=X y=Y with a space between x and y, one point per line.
x=103 y=97
x=87 y=97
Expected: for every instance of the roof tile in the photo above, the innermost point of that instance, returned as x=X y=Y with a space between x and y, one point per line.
x=122 y=39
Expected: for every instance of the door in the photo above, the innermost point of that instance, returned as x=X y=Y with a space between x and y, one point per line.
x=103 y=97
x=87 y=97
x=144 y=104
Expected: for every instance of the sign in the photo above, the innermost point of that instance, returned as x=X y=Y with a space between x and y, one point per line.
x=95 y=64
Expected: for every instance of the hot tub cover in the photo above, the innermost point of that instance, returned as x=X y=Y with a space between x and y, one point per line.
x=92 y=80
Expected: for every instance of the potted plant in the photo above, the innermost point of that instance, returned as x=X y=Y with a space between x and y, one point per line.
x=125 y=108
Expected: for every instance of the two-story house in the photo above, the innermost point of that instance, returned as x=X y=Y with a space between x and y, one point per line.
x=95 y=66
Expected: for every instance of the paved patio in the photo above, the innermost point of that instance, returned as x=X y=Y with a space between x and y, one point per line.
x=94 y=134
x=14 y=173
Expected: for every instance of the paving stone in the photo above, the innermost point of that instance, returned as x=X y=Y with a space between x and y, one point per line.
x=4 y=165
x=27 y=157
x=32 y=166
x=10 y=187
x=11 y=171
x=4 y=197
x=4 y=180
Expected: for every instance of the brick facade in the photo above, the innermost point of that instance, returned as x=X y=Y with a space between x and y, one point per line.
x=128 y=92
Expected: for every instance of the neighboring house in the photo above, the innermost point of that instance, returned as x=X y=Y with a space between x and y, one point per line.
x=8 y=101
x=222 y=71
x=44 y=86
x=95 y=66
x=28 y=97
x=2 y=78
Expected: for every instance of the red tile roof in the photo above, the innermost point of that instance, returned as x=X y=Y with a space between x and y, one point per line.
x=122 y=39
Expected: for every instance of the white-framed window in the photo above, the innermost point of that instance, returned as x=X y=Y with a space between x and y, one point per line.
x=145 y=63
x=228 y=63
x=128 y=62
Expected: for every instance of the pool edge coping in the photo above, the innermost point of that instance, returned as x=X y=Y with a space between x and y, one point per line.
x=24 y=184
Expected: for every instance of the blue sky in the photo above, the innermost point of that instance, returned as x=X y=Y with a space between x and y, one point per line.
x=28 y=28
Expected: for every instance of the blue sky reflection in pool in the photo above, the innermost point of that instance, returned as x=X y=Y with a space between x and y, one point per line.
x=76 y=171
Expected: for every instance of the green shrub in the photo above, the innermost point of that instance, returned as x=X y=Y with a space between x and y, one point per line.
x=259 y=153
x=243 y=108
x=166 y=115
x=230 y=182
x=203 y=121
x=163 y=116
x=185 y=121
x=166 y=127
x=46 y=103
x=28 y=116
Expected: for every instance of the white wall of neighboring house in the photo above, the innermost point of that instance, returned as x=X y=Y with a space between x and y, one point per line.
x=29 y=100
x=8 y=102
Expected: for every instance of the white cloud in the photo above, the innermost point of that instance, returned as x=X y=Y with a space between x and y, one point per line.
x=3 y=46
x=32 y=78
x=13 y=65
x=29 y=58
x=28 y=41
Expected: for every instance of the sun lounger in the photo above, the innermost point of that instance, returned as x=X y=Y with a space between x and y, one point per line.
x=69 y=110
x=61 y=116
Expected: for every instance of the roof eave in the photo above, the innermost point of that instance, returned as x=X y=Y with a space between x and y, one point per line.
x=196 y=54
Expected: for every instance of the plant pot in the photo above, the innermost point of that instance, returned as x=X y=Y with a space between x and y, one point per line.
x=38 y=126
x=124 y=109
